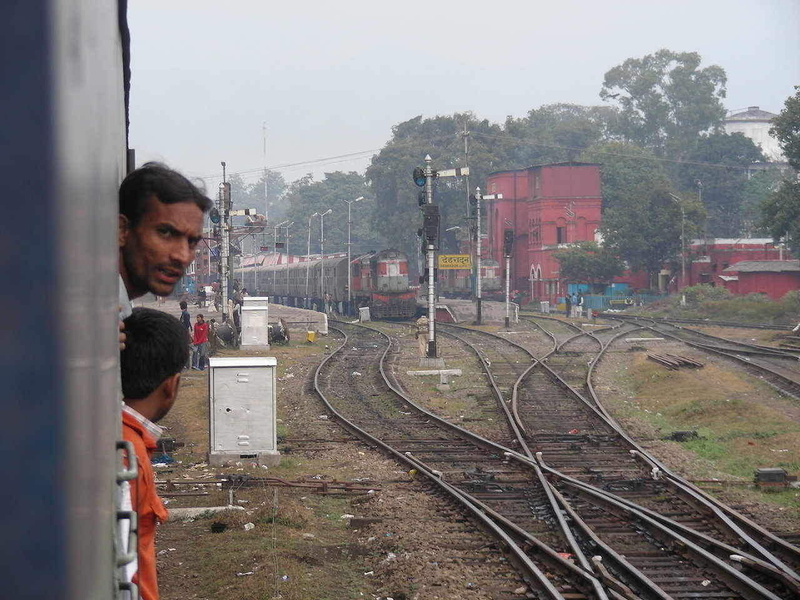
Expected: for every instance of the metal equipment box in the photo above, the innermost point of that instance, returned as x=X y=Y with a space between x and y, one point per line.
x=255 y=326
x=242 y=410
x=255 y=301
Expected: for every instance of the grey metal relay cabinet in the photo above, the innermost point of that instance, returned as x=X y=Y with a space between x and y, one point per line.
x=242 y=410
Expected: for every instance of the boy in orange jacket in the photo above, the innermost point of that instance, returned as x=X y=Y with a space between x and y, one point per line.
x=151 y=363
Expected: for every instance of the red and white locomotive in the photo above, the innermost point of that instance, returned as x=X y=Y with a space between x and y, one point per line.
x=378 y=280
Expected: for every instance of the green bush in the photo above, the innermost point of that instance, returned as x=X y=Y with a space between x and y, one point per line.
x=718 y=304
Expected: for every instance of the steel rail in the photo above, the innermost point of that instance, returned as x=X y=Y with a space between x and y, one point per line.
x=683 y=488
x=733 y=519
x=530 y=569
x=743 y=584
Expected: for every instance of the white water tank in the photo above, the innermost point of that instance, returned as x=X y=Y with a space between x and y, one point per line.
x=242 y=410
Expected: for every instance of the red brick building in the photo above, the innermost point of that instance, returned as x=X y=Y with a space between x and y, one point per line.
x=707 y=259
x=546 y=206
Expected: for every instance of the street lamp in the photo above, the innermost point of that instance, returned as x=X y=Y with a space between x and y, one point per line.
x=322 y=257
x=308 y=257
x=679 y=202
x=287 y=259
x=349 y=202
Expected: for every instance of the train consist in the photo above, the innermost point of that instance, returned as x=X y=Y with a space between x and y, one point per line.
x=457 y=283
x=378 y=280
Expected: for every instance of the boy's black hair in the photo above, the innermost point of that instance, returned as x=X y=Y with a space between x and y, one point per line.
x=183 y=304
x=155 y=179
x=155 y=349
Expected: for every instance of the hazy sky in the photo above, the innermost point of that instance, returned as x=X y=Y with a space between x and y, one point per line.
x=330 y=79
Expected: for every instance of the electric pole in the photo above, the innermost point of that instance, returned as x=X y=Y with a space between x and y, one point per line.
x=225 y=250
x=478 y=292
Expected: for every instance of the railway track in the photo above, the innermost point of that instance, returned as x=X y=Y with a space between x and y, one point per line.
x=521 y=507
x=595 y=452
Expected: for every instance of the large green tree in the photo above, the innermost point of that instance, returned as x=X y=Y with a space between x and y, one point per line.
x=665 y=99
x=645 y=227
x=716 y=167
x=780 y=213
x=786 y=128
x=555 y=133
x=442 y=137
x=624 y=169
x=588 y=262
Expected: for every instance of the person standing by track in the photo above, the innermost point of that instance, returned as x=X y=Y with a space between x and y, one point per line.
x=200 y=344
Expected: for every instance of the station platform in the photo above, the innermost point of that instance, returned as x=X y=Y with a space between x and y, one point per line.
x=298 y=320
x=456 y=310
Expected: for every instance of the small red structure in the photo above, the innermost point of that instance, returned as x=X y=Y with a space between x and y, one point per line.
x=707 y=259
x=775 y=278
x=547 y=207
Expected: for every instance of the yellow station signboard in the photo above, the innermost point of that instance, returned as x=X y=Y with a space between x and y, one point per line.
x=455 y=261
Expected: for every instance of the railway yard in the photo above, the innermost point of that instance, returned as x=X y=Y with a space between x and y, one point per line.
x=557 y=459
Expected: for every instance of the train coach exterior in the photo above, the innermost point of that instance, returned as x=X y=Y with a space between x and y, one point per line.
x=457 y=283
x=378 y=280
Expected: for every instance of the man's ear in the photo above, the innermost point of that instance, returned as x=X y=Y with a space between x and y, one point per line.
x=123 y=229
x=170 y=387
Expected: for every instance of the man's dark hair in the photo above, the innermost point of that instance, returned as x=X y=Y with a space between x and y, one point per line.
x=155 y=179
x=182 y=304
x=155 y=348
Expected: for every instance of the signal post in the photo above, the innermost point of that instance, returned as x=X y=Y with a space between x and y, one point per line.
x=423 y=177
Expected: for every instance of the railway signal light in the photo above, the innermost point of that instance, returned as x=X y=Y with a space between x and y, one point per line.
x=430 y=222
x=419 y=176
x=214 y=215
x=508 y=241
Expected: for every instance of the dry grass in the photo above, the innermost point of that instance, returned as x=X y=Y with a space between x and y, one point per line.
x=299 y=546
x=742 y=423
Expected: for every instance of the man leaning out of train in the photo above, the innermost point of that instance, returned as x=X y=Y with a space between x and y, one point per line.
x=151 y=363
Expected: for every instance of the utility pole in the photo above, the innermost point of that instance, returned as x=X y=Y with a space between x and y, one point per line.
x=478 y=250
x=308 y=259
x=266 y=196
x=508 y=243
x=423 y=177
x=679 y=202
x=287 y=260
x=349 y=258
x=322 y=257
x=224 y=254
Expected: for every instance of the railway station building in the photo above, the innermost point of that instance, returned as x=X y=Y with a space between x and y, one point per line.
x=547 y=207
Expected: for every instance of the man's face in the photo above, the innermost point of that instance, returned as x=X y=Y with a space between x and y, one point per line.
x=154 y=254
